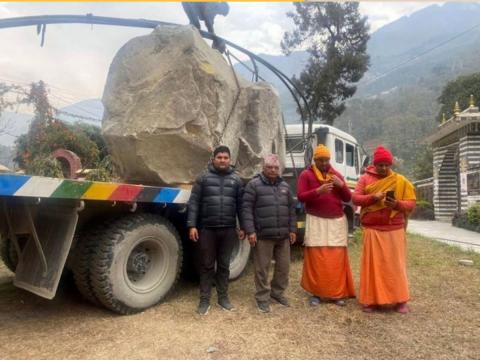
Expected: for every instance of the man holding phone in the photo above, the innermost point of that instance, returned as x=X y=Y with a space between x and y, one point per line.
x=386 y=199
x=326 y=267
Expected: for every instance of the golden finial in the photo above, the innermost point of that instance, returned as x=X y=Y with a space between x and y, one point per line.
x=456 y=109
x=443 y=118
x=472 y=101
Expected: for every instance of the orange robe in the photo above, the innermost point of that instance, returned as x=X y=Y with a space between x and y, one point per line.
x=326 y=272
x=383 y=275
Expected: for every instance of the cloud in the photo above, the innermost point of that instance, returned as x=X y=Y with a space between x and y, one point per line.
x=76 y=58
x=382 y=13
x=258 y=27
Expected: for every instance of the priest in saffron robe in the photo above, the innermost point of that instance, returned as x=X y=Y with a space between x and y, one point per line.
x=326 y=268
x=386 y=198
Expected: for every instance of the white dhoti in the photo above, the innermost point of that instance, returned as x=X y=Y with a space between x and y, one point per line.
x=326 y=232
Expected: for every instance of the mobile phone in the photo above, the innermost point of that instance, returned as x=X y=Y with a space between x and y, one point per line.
x=391 y=194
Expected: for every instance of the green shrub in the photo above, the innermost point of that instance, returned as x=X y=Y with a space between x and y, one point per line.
x=103 y=171
x=473 y=214
x=45 y=166
x=423 y=211
x=424 y=204
x=469 y=220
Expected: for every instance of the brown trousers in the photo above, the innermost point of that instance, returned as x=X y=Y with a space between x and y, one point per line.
x=263 y=253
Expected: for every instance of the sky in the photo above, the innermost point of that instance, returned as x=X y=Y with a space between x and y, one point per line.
x=75 y=58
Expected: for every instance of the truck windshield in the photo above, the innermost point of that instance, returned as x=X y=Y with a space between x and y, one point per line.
x=294 y=144
x=322 y=136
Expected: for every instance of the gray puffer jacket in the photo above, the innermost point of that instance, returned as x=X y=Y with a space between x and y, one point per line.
x=268 y=209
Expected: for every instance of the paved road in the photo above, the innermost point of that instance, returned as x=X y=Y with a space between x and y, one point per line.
x=445 y=232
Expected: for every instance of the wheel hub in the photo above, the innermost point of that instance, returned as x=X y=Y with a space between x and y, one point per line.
x=138 y=263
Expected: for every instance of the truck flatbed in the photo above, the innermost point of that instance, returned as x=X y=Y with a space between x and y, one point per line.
x=13 y=185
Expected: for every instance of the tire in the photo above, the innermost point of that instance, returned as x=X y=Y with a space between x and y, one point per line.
x=8 y=253
x=81 y=264
x=135 y=262
x=239 y=259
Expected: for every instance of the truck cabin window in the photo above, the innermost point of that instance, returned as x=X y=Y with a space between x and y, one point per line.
x=350 y=154
x=339 y=151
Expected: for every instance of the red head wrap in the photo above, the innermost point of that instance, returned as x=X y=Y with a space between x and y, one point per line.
x=382 y=155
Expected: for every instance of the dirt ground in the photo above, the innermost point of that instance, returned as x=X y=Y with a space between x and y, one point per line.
x=444 y=323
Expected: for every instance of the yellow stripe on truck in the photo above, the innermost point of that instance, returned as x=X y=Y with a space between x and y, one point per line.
x=99 y=191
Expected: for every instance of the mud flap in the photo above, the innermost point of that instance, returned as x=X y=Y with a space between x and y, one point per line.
x=50 y=234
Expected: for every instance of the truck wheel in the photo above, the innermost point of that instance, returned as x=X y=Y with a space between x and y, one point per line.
x=239 y=259
x=135 y=262
x=8 y=253
x=81 y=264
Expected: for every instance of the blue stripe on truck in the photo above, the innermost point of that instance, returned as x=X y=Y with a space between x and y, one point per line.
x=9 y=184
x=166 y=195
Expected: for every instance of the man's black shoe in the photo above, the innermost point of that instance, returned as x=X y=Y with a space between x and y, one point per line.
x=282 y=300
x=225 y=304
x=203 y=307
x=263 y=306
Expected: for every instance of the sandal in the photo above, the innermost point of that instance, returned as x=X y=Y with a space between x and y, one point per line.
x=314 y=301
x=402 y=308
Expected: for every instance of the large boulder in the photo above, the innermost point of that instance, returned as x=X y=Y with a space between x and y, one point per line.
x=170 y=99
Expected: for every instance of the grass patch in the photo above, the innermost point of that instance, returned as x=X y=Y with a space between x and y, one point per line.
x=444 y=323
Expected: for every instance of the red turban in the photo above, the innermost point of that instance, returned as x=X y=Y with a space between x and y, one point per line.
x=382 y=155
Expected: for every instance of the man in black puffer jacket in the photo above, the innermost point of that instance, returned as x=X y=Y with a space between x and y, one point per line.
x=268 y=212
x=213 y=208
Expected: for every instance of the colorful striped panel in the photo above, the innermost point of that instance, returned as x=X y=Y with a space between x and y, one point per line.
x=148 y=194
x=39 y=187
x=70 y=189
x=166 y=195
x=9 y=184
x=126 y=192
x=43 y=187
x=182 y=197
x=99 y=191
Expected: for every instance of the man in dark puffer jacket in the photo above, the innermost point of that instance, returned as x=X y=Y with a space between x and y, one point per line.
x=213 y=207
x=268 y=212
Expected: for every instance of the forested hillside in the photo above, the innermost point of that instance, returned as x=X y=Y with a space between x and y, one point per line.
x=412 y=59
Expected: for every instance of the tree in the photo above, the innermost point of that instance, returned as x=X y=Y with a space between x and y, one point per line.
x=459 y=90
x=8 y=101
x=47 y=134
x=423 y=168
x=335 y=35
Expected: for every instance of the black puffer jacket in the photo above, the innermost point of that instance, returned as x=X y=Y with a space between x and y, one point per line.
x=216 y=199
x=268 y=209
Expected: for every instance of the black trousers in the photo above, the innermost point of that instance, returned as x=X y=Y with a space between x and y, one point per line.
x=215 y=245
